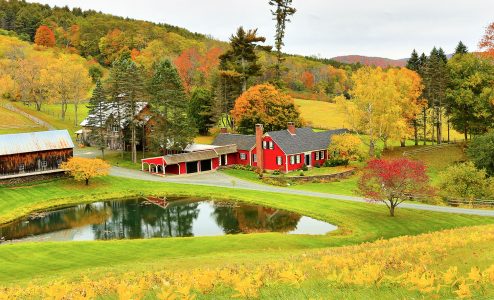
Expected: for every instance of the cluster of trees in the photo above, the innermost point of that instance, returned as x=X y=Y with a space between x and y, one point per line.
x=103 y=38
x=383 y=104
x=39 y=76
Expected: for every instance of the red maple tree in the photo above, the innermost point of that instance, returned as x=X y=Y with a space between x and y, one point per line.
x=44 y=36
x=308 y=80
x=393 y=181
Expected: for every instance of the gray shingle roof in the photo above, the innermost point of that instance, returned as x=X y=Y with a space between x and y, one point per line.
x=243 y=142
x=35 y=142
x=304 y=140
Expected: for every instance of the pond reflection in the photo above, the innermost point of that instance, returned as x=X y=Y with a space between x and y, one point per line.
x=137 y=219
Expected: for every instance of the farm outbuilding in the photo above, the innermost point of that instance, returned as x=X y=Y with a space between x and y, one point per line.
x=34 y=153
x=200 y=159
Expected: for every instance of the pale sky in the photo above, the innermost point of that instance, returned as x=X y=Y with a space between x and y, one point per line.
x=386 y=28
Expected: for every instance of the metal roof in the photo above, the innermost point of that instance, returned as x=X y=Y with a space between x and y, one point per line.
x=228 y=149
x=35 y=142
x=304 y=140
x=243 y=141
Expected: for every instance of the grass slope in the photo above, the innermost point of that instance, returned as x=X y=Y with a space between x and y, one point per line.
x=15 y=123
x=358 y=222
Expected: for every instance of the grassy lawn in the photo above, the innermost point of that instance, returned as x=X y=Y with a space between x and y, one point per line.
x=320 y=171
x=204 y=139
x=15 y=123
x=50 y=113
x=358 y=222
x=321 y=114
x=115 y=158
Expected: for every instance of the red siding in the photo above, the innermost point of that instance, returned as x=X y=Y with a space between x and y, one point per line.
x=245 y=161
x=270 y=156
x=296 y=166
x=232 y=159
x=216 y=163
x=320 y=160
x=154 y=160
x=171 y=169
x=183 y=168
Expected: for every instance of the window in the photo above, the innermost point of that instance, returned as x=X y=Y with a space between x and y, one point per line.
x=297 y=158
x=21 y=168
x=254 y=157
x=264 y=145
x=321 y=155
x=279 y=160
x=271 y=145
x=44 y=164
x=292 y=160
x=243 y=156
x=317 y=155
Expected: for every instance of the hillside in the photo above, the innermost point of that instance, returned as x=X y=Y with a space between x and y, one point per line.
x=371 y=61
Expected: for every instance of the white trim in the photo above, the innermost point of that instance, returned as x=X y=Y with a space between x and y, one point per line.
x=286 y=163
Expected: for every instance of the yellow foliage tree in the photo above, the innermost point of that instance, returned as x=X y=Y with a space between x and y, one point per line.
x=346 y=146
x=82 y=168
x=382 y=103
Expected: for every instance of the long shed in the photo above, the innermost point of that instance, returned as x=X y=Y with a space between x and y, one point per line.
x=35 y=152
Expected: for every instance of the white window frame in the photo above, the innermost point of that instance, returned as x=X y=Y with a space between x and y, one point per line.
x=264 y=145
x=279 y=160
x=297 y=158
x=254 y=157
x=317 y=155
x=321 y=156
x=292 y=160
x=271 y=145
x=243 y=156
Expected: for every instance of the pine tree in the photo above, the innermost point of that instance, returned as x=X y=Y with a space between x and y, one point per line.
x=414 y=62
x=241 y=58
x=201 y=109
x=283 y=10
x=461 y=48
x=96 y=118
x=173 y=130
x=442 y=55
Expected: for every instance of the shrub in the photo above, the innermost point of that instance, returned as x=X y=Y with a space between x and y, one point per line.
x=480 y=152
x=301 y=173
x=464 y=181
x=317 y=165
x=276 y=172
x=305 y=168
x=335 y=161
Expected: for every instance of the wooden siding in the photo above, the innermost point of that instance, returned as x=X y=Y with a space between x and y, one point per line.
x=33 y=161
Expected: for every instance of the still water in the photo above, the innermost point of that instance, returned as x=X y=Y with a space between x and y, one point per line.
x=141 y=219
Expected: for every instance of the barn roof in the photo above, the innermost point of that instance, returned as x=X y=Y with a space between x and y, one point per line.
x=304 y=140
x=35 y=142
x=243 y=141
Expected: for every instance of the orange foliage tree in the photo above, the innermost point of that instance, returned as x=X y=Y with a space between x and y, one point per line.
x=83 y=169
x=486 y=44
x=308 y=80
x=266 y=105
x=44 y=36
x=187 y=63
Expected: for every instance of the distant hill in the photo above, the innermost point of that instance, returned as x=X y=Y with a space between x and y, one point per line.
x=371 y=61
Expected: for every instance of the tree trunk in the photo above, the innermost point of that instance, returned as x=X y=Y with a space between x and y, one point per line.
x=392 y=210
x=439 y=126
x=64 y=109
x=371 y=148
x=133 y=144
x=38 y=106
x=448 y=131
x=425 y=127
x=75 y=116
x=402 y=142
x=466 y=132
x=416 y=132
x=87 y=181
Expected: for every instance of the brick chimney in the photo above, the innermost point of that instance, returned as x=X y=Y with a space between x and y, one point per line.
x=259 y=150
x=223 y=130
x=291 y=128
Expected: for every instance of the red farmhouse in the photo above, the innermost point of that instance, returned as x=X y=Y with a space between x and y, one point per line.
x=283 y=150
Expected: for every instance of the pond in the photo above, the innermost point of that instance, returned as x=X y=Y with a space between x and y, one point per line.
x=154 y=218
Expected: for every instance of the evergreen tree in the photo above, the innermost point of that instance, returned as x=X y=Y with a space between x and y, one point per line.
x=200 y=109
x=413 y=62
x=283 y=10
x=241 y=58
x=461 y=48
x=173 y=130
x=442 y=55
x=96 y=118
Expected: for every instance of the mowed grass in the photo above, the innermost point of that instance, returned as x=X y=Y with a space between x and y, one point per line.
x=357 y=222
x=12 y=122
x=51 y=113
x=320 y=114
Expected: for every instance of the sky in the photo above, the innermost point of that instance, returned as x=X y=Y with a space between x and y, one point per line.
x=326 y=28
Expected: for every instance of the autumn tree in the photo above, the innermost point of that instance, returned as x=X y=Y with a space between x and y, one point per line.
x=174 y=129
x=480 y=150
x=486 y=44
x=97 y=117
x=464 y=182
x=282 y=12
x=84 y=169
x=70 y=83
x=308 y=80
x=44 y=37
x=187 y=64
x=346 y=146
x=241 y=58
x=394 y=181
x=266 y=105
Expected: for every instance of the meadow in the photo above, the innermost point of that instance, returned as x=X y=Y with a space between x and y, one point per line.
x=14 y=123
